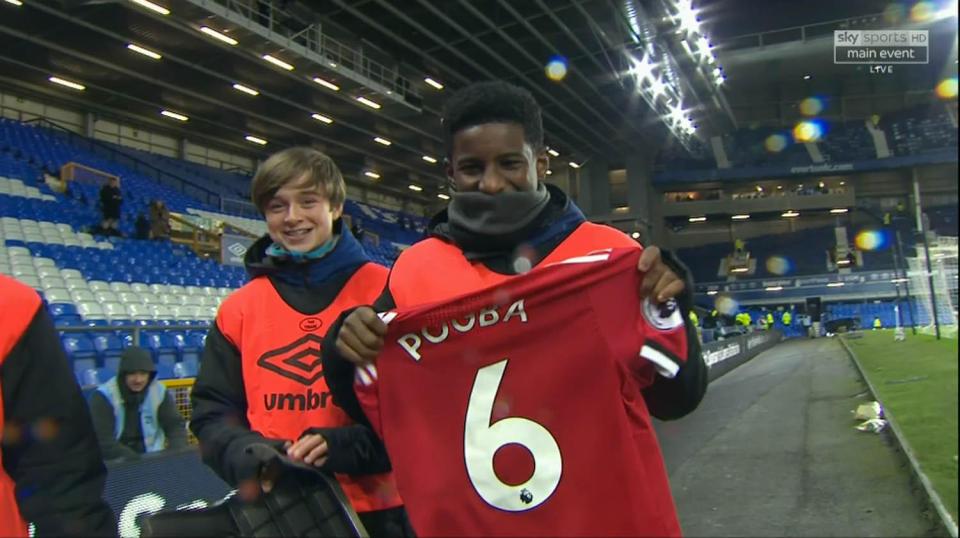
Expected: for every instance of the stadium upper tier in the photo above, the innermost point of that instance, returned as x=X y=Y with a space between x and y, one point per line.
x=919 y=132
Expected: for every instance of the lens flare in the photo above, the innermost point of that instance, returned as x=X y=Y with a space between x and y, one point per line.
x=811 y=106
x=894 y=13
x=726 y=305
x=922 y=11
x=871 y=240
x=779 y=265
x=808 y=131
x=775 y=143
x=556 y=68
x=947 y=89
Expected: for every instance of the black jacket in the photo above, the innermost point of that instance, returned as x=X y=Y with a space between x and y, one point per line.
x=667 y=399
x=219 y=400
x=130 y=444
x=59 y=480
x=110 y=201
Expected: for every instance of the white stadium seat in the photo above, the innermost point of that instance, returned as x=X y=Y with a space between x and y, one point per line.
x=98 y=285
x=91 y=310
x=115 y=311
x=52 y=282
x=140 y=287
x=119 y=286
x=48 y=272
x=75 y=284
x=139 y=311
x=58 y=295
x=82 y=295
x=106 y=296
x=44 y=262
x=149 y=299
x=129 y=297
x=71 y=273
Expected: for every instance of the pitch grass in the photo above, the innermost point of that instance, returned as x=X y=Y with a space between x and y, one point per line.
x=917 y=381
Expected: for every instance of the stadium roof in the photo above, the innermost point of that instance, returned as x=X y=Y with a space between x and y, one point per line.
x=384 y=51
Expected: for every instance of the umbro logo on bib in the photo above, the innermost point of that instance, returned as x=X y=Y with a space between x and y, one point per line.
x=299 y=360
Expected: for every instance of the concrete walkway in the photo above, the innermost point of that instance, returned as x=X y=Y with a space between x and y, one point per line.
x=772 y=452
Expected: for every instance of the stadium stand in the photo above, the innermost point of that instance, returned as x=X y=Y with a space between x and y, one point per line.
x=101 y=291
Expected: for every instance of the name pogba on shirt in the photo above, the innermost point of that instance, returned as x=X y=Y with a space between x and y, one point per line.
x=517 y=410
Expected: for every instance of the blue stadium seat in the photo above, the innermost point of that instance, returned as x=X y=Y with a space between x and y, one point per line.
x=78 y=346
x=62 y=309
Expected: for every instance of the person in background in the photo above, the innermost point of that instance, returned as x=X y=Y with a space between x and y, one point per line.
x=111 y=200
x=141 y=227
x=133 y=413
x=877 y=324
x=159 y=220
x=260 y=378
x=51 y=471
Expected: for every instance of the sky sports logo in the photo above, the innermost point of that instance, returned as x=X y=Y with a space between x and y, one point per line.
x=881 y=47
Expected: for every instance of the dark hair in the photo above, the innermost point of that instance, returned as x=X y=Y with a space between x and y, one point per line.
x=493 y=102
x=301 y=165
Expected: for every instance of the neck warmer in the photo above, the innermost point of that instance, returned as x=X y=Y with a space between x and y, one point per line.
x=345 y=254
x=476 y=220
x=556 y=216
x=276 y=250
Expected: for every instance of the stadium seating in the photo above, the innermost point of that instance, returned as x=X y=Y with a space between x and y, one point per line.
x=108 y=286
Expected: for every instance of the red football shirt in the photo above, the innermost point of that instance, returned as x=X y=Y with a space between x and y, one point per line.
x=517 y=410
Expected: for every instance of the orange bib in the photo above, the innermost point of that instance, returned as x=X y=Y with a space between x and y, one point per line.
x=283 y=375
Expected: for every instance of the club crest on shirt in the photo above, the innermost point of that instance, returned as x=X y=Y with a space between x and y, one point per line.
x=664 y=316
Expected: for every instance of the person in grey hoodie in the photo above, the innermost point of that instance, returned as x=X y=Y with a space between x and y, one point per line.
x=133 y=413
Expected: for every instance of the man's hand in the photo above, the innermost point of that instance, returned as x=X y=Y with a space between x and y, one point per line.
x=361 y=336
x=659 y=281
x=310 y=449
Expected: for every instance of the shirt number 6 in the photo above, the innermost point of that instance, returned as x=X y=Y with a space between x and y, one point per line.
x=482 y=440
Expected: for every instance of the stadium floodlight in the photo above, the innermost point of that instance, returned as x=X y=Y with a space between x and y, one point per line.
x=790 y=214
x=371 y=174
x=436 y=85
x=687 y=17
x=326 y=84
x=17 y=3
x=835 y=285
x=573 y=165
x=642 y=69
x=443 y=196
x=321 y=118
x=174 y=115
x=67 y=83
x=429 y=159
x=382 y=141
x=697 y=219
x=277 y=62
x=740 y=270
x=553 y=152
x=740 y=217
x=219 y=36
x=256 y=140
x=152 y=7
x=246 y=90
x=808 y=76
x=144 y=51
x=657 y=87
x=372 y=104
x=839 y=211
x=773 y=288
x=415 y=188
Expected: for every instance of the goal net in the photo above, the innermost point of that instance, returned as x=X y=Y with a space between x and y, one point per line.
x=943 y=264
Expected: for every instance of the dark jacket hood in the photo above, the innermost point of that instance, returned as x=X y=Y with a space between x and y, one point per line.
x=136 y=359
x=346 y=256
